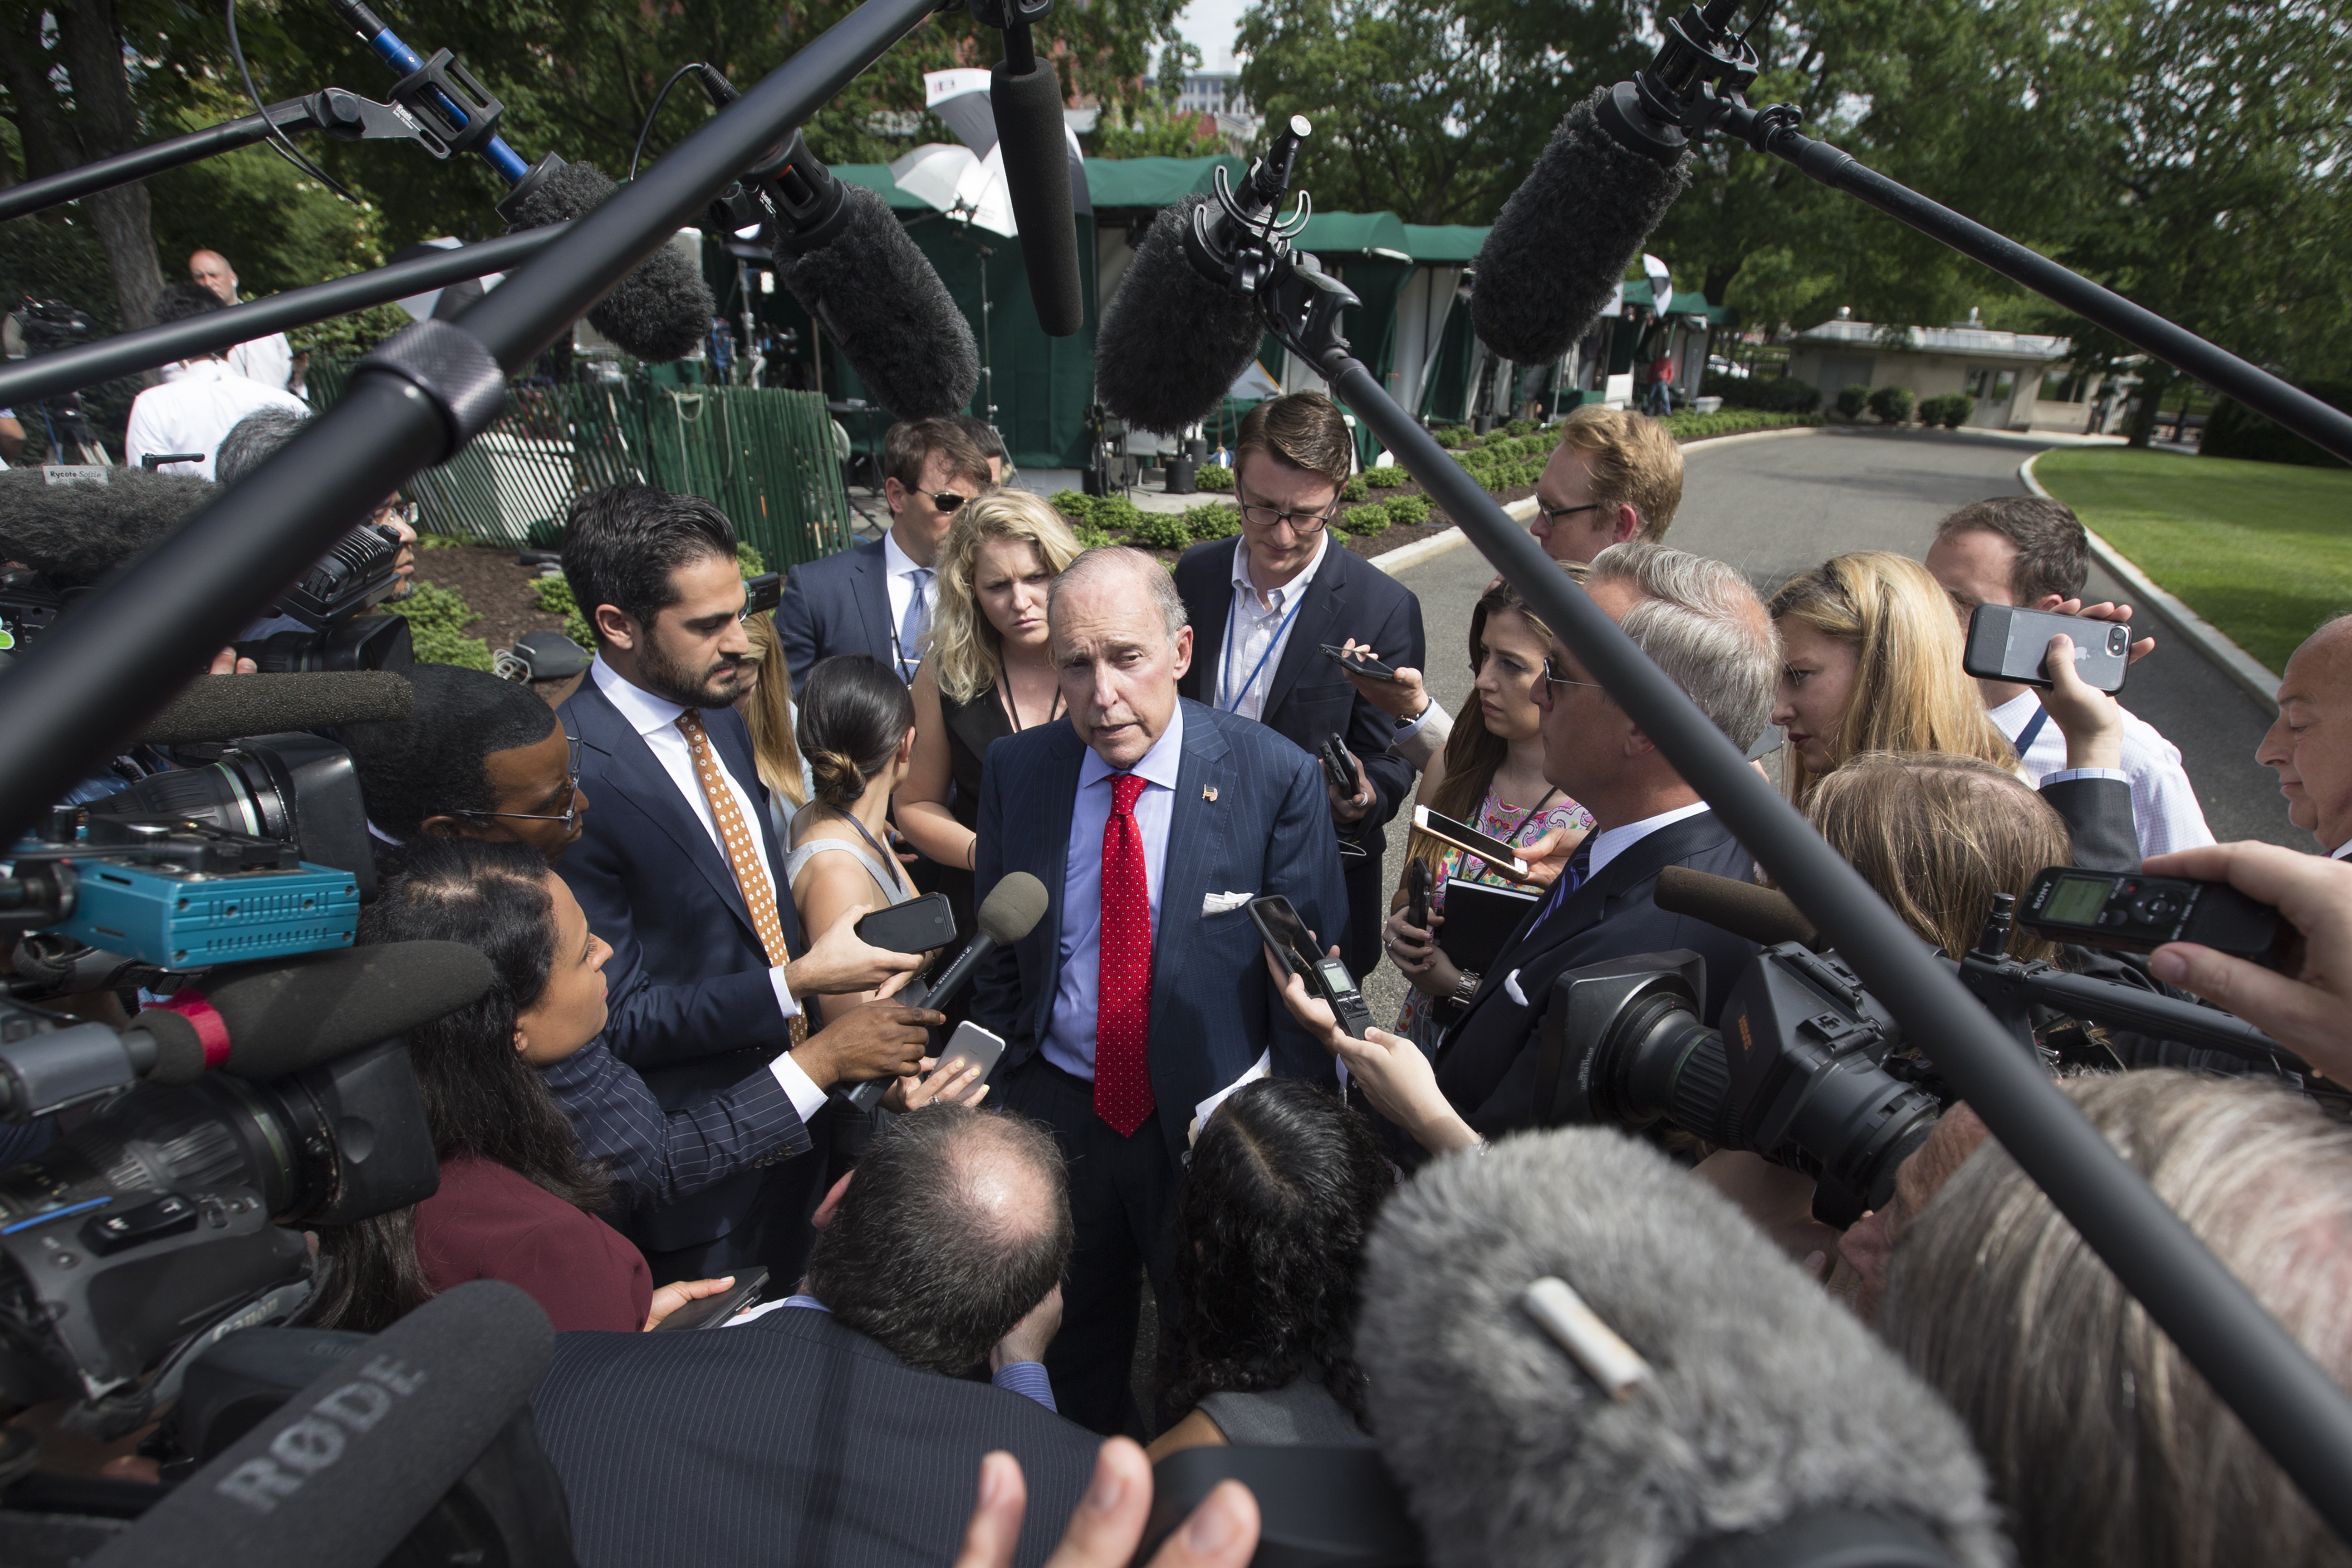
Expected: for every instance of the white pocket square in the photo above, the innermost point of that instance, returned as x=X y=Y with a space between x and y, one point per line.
x=1511 y=988
x=1220 y=904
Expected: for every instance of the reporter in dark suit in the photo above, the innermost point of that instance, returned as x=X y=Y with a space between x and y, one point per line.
x=876 y=598
x=839 y=1428
x=1263 y=606
x=1151 y=821
x=676 y=870
x=1702 y=624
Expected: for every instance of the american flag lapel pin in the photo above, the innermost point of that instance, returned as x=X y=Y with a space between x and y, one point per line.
x=1209 y=792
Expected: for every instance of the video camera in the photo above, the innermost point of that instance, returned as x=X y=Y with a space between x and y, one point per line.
x=44 y=326
x=1811 y=1071
x=362 y=569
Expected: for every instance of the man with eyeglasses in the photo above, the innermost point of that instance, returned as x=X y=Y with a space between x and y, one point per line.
x=1264 y=607
x=876 y=598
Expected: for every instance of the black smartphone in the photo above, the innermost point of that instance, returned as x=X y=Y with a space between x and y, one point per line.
x=1502 y=856
x=1417 y=882
x=2006 y=643
x=918 y=925
x=712 y=1311
x=1325 y=976
x=1368 y=666
x=1339 y=767
x=2140 y=913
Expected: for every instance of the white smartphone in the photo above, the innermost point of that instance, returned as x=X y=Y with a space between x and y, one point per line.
x=1502 y=856
x=969 y=1046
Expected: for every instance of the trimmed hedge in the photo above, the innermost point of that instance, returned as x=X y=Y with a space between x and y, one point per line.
x=1408 y=511
x=1358 y=488
x=1951 y=410
x=2233 y=430
x=1369 y=519
x=1891 y=405
x=1774 y=394
x=1852 y=400
x=1690 y=426
x=1213 y=476
x=1213 y=519
x=1385 y=478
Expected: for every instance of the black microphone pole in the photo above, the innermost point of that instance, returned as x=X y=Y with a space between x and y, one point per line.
x=126 y=353
x=82 y=179
x=2289 y=1402
x=86 y=686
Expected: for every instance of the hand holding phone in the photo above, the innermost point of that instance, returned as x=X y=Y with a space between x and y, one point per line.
x=2006 y=643
x=1288 y=939
x=1417 y=882
x=1368 y=666
x=1501 y=857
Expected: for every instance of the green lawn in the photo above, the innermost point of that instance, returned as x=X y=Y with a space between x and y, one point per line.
x=2263 y=551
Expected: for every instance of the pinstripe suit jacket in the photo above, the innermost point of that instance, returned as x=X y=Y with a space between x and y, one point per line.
x=657 y=1156
x=791 y=1441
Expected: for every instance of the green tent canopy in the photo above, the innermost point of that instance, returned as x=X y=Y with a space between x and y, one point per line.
x=1155 y=182
x=1443 y=245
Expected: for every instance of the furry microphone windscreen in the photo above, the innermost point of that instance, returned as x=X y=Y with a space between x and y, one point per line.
x=1559 y=247
x=1171 y=343
x=880 y=300
x=77 y=533
x=1766 y=1399
x=661 y=310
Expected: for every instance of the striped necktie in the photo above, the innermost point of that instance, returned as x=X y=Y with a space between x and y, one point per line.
x=1579 y=870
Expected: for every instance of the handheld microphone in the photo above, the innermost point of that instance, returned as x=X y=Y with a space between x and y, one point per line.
x=229 y=707
x=1011 y=912
x=1765 y=916
x=266 y=1021
x=345 y=1469
x=660 y=310
x=1559 y=247
x=1768 y=1424
x=1184 y=324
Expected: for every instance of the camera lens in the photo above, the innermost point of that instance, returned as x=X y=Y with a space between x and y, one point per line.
x=2119 y=639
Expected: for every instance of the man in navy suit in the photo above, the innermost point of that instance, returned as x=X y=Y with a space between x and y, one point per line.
x=675 y=869
x=876 y=598
x=1152 y=822
x=1702 y=624
x=1262 y=606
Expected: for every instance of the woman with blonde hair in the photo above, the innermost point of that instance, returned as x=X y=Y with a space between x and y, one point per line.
x=1871 y=662
x=768 y=713
x=987 y=672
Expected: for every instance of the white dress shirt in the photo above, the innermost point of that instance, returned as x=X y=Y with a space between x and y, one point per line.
x=655 y=719
x=1256 y=633
x=2165 y=812
x=191 y=411
x=899 y=571
x=1069 y=1042
x=2341 y=850
x=1609 y=843
x=269 y=361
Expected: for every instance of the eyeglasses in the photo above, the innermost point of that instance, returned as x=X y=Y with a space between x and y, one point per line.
x=947 y=500
x=1552 y=515
x=572 y=806
x=1300 y=521
x=1551 y=680
x=396 y=511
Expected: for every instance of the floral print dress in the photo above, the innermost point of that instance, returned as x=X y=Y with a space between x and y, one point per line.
x=1419 y=1022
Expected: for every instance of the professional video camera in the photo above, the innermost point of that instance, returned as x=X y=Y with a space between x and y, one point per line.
x=1811 y=1071
x=44 y=326
x=362 y=569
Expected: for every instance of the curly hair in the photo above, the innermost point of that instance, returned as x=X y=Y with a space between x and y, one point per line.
x=1272 y=1216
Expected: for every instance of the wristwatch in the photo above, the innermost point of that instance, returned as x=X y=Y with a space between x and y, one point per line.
x=1465 y=988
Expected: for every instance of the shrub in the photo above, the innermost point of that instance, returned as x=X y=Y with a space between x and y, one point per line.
x=438 y=619
x=1076 y=505
x=554 y=595
x=1689 y=426
x=1213 y=519
x=1160 y=530
x=1852 y=400
x=1369 y=519
x=1951 y=410
x=1773 y=394
x=747 y=559
x=2232 y=430
x=1451 y=436
x=1090 y=536
x=1213 y=476
x=1358 y=488
x=1115 y=513
x=1891 y=405
x=1408 y=511
x=1387 y=477
x=1519 y=427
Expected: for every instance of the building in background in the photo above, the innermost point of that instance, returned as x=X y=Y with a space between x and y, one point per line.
x=2004 y=372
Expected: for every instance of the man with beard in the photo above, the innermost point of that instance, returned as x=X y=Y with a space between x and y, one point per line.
x=676 y=870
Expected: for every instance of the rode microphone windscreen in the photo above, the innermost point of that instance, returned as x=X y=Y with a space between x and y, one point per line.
x=876 y=296
x=1766 y=1399
x=1171 y=343
x=343 y=1471
x=1559 y=247
x=1765 y=916
x=660 y=311
x=1012 y=908
x=76 y=532
x=1035 y=142
x=228 y=707
x=295 y=1013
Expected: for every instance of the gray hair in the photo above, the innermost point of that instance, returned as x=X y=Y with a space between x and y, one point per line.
x=2106 y=1448
x=253 y=438
x=1702 y=624
x=1109 y=560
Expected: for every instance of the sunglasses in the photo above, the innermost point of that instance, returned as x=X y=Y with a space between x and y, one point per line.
x=570 y=813
x=947 y=500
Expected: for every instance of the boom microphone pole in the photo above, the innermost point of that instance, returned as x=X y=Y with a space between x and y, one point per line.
x=91 y=682
x=126 y=353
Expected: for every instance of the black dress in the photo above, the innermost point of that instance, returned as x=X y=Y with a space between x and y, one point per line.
x=972 y=728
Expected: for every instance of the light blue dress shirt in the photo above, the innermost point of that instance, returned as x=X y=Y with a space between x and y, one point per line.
x=1025 y=1378
x=1069 y=1042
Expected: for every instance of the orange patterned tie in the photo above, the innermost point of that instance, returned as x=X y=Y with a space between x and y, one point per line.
x=742 y=848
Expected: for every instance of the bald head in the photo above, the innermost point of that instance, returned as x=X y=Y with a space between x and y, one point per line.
x=957 y=1225
x=2310 y=746
x=212 y=270
x=1121 y=644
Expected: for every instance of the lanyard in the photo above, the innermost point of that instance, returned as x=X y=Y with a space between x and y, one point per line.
x=2026 y=737
x=1225 y=653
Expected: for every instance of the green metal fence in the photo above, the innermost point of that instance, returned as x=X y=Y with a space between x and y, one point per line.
x=765 y=454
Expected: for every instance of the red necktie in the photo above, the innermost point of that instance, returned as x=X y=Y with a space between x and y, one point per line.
x=1123 y=985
